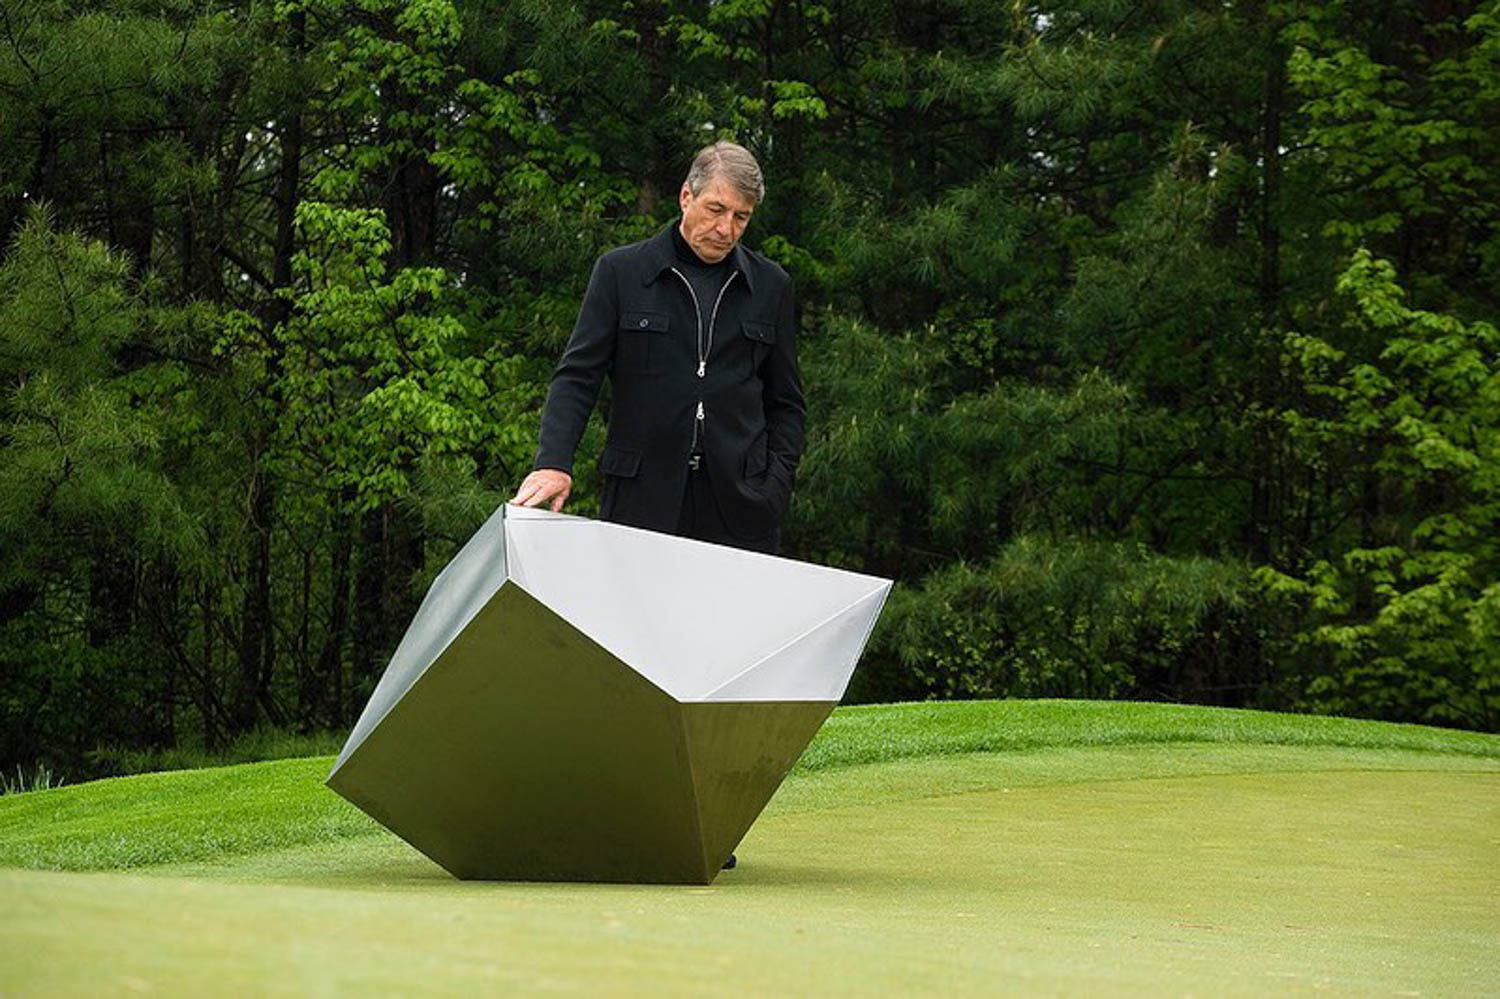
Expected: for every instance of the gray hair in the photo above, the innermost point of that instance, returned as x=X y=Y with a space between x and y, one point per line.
x=731 y=161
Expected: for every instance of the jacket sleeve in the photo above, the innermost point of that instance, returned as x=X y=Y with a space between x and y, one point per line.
x=785 y=409
x=575 y=384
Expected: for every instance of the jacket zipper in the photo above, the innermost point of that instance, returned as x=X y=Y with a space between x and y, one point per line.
x=703 y=348
x=713 y=319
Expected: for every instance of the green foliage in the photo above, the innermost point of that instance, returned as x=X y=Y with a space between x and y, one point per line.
x=370 y=386
x=83 y=490
x=902 y=449
x=1405 y=612
x=1422 y=136
x=280 y=338
x=1045 y=618
x=996 y=480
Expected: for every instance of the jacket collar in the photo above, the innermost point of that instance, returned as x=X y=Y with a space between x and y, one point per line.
x=662 y=256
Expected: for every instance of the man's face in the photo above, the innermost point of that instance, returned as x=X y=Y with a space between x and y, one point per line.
x=714 y=219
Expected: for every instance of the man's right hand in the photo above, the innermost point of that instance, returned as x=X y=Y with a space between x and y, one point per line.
x=545 y=485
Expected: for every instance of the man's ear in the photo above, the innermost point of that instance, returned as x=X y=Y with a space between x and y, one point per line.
x=684 y=196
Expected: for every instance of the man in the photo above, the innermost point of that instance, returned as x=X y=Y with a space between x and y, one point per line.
x=696 y=334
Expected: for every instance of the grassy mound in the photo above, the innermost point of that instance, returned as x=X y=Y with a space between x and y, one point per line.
x=185 y=816
x=883 y=732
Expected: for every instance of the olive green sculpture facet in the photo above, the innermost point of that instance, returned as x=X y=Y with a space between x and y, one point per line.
x=582 y=701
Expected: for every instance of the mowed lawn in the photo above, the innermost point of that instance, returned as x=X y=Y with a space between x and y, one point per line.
x=1053 y=847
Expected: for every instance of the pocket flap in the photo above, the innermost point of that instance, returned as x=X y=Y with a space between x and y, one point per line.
x=759 y=332
x=644 y=322
x=618 y=461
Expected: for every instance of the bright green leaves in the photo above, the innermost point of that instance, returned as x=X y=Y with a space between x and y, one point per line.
x=405 y=44
x=698 y=41
x=1417 y=611
x=1422 y=135
x=375 y=379
x=791 y=98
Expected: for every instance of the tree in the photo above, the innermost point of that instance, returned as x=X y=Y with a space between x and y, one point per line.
x=1403 y=621
x=86 y=509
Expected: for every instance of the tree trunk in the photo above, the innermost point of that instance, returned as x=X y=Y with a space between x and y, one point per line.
x=206 y=695
x=254 y=698
x=391 y=553
x=369 y=584
x=1264 y=479
x=112 y=595
x=1272 y=111
x=331 y=657
x=656 y=187
x=257 y=654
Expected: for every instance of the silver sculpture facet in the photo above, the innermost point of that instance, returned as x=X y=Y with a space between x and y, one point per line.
x=581 y=701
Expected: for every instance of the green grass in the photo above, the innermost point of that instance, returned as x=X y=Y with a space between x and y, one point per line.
x=1033 y=847
x=159 y=818
x=178 y=817
x=255 y=746
x=879 y=733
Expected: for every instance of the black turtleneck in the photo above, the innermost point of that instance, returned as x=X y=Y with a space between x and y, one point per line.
x=707 y=279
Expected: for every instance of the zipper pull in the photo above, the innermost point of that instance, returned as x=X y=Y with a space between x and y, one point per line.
x=701 y=366
x=700 y=410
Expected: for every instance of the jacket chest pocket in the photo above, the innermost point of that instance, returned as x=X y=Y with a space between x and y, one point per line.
x=642 y=343
x=760 y=338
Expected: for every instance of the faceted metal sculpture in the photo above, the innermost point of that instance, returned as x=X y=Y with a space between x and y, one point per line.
x=581 y=701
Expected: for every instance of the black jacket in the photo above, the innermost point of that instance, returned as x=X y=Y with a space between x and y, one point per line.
x=638 y=325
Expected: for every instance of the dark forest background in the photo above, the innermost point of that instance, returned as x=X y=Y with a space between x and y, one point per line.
x=1149 y=345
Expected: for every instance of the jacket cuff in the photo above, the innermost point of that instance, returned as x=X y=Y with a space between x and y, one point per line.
x=547 y=461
